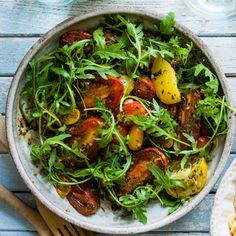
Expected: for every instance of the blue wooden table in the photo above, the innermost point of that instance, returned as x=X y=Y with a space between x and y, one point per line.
x=22 y=22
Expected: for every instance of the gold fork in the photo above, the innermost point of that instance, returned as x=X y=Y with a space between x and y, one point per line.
x=59 y=226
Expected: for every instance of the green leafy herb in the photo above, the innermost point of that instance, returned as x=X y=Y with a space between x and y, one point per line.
x=167 y=24
x=163 y=179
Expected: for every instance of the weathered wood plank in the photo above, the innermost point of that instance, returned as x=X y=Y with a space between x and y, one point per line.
x=9 y=175
x=229 y=161
x=18 y=233
x=26 y=233
x=4 y=87
x=223 y=50
x=196 y=220
x=12 y=50
x=24 y=17
x=11 y=218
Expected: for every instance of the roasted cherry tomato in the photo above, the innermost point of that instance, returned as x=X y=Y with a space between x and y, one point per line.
x=202 y=141
x=154 y=155
x=74 y=35
x=71 y=118
x=86 y=136
x=168 y=143
x=133 y=108
x=204 y=135
x=110 y=91
x=110 y=37
x=136 y=136
x=189 y=123
x=171 y=108
x=84 y=198
x=63 y=190
x=144 y=88
x=139 y=173
x=123 y=130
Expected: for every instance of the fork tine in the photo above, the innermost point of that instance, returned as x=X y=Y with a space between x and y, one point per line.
x=84 y=232
x=72 y=230
x=62 y=231
x=59 y=226
x=91 y=233
x=80 y=231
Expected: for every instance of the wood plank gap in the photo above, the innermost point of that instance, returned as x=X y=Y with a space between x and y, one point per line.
x=6 y=75
x=228 y=35
x=213 y=192
x=15 y=230
x=230 y=75
x=20 y=35
x=20 y=192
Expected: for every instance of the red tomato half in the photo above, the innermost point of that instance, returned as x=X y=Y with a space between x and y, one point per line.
x=110 y=91
x=74 y=35
x=139 y=173
x=123 y=130
x=84 y=198
x=202 y=141
x=154 y=155
x=133 y=108
x=144 y=88
x=86 y=136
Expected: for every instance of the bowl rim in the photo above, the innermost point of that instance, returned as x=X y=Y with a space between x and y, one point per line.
x=10 y=128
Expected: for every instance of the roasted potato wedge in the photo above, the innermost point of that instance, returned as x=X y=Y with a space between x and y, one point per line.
x=165 y=82
x=193 y=176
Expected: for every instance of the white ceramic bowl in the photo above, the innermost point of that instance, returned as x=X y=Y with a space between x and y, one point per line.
x=104 y=221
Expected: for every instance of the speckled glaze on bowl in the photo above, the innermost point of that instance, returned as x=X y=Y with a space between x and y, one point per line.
x=104 y=221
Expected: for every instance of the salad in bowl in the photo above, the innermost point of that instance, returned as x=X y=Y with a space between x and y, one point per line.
x=127 y=114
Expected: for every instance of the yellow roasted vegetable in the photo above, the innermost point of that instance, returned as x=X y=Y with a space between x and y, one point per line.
x=165 y=81
x=135 y=138
x=128 y=84
x=194 y=176
x=71 y=118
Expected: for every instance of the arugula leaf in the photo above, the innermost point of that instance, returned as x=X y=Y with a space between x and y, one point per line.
x=135 y=36
x=167 y=24
x=164 y=179
x=173 y=49
x=212 y=109
x=168 y=201
x=113 y=51
x=99 y=38
x=191 y=140
x=138 y=213
x=213 y=84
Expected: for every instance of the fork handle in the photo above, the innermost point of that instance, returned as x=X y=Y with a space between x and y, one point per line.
x=3 y=137
x=31 y=215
